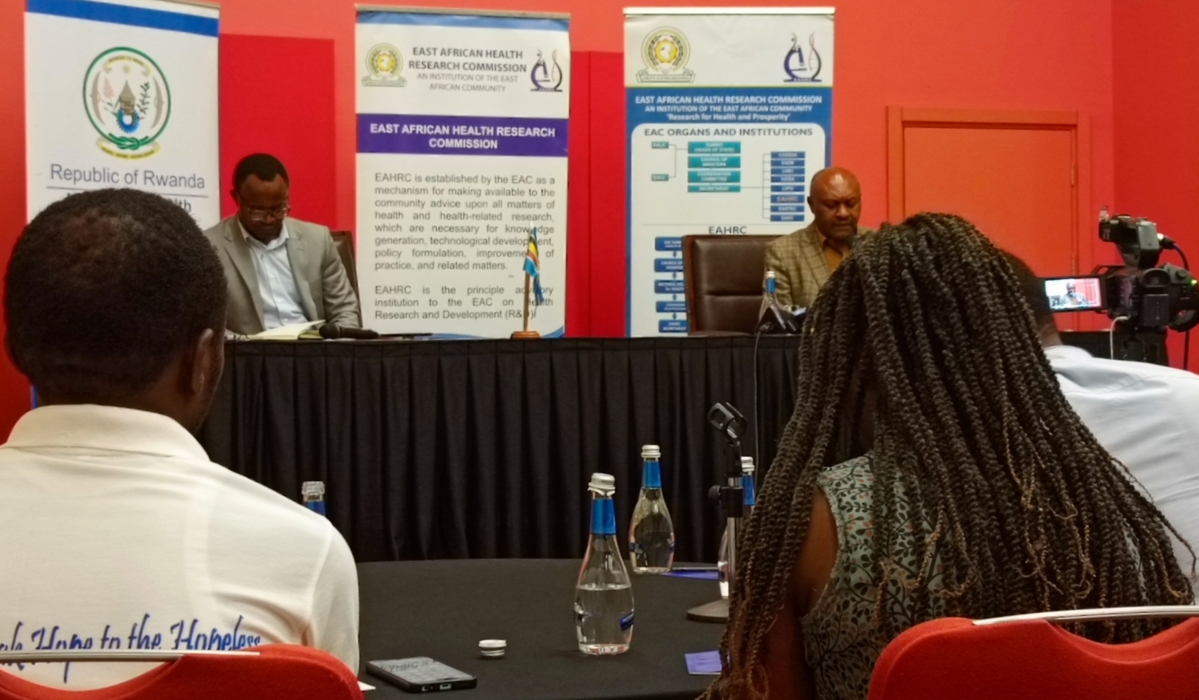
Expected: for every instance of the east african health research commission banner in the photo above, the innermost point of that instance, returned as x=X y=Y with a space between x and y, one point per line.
x=462 y=139
x=729 y=116
x=122 y=93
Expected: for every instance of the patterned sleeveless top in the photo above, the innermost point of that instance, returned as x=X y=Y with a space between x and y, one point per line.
x=841 y=642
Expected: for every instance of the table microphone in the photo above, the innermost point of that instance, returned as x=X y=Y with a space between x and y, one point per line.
x=332 y=331
x=777 y=319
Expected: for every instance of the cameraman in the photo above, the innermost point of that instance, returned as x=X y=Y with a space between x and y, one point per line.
x=1146 y=415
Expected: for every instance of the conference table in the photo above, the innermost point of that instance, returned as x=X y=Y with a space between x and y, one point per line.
x=483 y=449
x=442 y=609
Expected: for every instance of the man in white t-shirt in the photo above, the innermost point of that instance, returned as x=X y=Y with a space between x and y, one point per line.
x=116 y=531
x=1146 y=415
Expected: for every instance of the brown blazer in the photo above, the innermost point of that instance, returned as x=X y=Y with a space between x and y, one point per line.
x=325 y=290
x=800 y=268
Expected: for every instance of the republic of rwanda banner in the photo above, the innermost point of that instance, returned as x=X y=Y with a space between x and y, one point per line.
x=462 y=136
x=729 y=117
x=122 y=93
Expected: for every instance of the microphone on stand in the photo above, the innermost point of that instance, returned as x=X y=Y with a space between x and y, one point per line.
x=731 y=425
x=332 y=331
x=776 y=318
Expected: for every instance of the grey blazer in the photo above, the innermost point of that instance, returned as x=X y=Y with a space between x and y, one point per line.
x=324 y=288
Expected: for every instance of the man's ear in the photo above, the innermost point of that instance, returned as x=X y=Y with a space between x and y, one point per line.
x=204 y=362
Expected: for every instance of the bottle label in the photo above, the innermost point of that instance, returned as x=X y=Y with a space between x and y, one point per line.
x=603 y=517
x=651 y=475
x=747 y=486
x=316 y=506
x=626 y=622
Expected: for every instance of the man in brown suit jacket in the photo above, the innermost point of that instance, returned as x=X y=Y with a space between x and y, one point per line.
x=802 y=261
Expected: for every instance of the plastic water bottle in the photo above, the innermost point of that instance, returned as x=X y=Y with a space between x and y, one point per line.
x=772 y=287
x=747 y=487
x=313 y=493
x=651 y=535
x=603 y=595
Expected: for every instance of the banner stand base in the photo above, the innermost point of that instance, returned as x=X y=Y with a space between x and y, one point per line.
x=716 y=611
x=526 y=335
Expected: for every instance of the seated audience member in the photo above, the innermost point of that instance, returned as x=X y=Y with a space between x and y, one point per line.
x=116 y=531
x=1146 y=415
x=281 y=271
x=802 y=261
x=932 y=467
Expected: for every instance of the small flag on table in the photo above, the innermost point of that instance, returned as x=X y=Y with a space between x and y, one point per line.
x=533 y=266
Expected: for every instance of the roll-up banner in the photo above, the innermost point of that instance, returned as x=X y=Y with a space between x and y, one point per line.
x=729 y=117
x=462 y=141
x=122 y=93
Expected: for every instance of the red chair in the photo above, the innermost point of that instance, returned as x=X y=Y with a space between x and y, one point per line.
x=1029 y=658
x=274 y=672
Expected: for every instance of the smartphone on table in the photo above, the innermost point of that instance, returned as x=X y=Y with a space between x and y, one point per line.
x=421 y=675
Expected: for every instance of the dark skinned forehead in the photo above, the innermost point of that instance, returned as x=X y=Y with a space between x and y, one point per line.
x=840 y=180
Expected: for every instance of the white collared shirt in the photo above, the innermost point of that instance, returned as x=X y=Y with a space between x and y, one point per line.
x=1147 y=416
x=117 y=530
x=281 y=301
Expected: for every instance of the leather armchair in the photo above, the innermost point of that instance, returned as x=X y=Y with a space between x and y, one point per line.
x=723 y=277
x=343 y=241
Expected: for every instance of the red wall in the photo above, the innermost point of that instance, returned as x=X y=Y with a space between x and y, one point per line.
x=297 y=74
x=14 y=391
x=1156 y=98
x=998 y=54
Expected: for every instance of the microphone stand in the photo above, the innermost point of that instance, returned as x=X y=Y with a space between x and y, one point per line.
x=731 y=424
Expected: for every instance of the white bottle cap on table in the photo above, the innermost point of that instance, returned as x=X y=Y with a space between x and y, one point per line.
x=493 y=648
x=747 y=465
x=651 y=452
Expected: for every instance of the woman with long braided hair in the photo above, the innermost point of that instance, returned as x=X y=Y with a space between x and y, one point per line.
x=932 y=467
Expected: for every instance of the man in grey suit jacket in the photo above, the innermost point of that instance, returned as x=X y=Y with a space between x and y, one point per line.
x=280 y=270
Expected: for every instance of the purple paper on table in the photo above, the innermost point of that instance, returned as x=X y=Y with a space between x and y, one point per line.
x=705 y=663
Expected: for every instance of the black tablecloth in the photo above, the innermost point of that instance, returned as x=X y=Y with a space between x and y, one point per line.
x=482 y=449
x=443 y=609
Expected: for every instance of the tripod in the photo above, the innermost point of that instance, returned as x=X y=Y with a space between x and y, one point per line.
x=1142 y=345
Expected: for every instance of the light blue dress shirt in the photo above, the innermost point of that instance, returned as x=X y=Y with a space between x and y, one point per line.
x=1146 y=416
x=281 y=302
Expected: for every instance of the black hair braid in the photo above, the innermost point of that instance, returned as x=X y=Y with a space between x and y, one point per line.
x=1026 y=511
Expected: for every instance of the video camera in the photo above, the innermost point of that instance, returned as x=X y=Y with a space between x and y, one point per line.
x=1144 y=295
x=1150 y=296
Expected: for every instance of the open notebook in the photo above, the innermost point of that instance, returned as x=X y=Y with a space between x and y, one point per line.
x=295 y=331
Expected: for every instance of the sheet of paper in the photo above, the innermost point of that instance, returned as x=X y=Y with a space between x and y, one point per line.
x=364 y=687
x=706 y=663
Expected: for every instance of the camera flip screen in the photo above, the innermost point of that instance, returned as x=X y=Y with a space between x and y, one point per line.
x=1075 y=293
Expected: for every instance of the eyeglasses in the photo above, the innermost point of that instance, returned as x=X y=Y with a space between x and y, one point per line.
x=262 y=213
